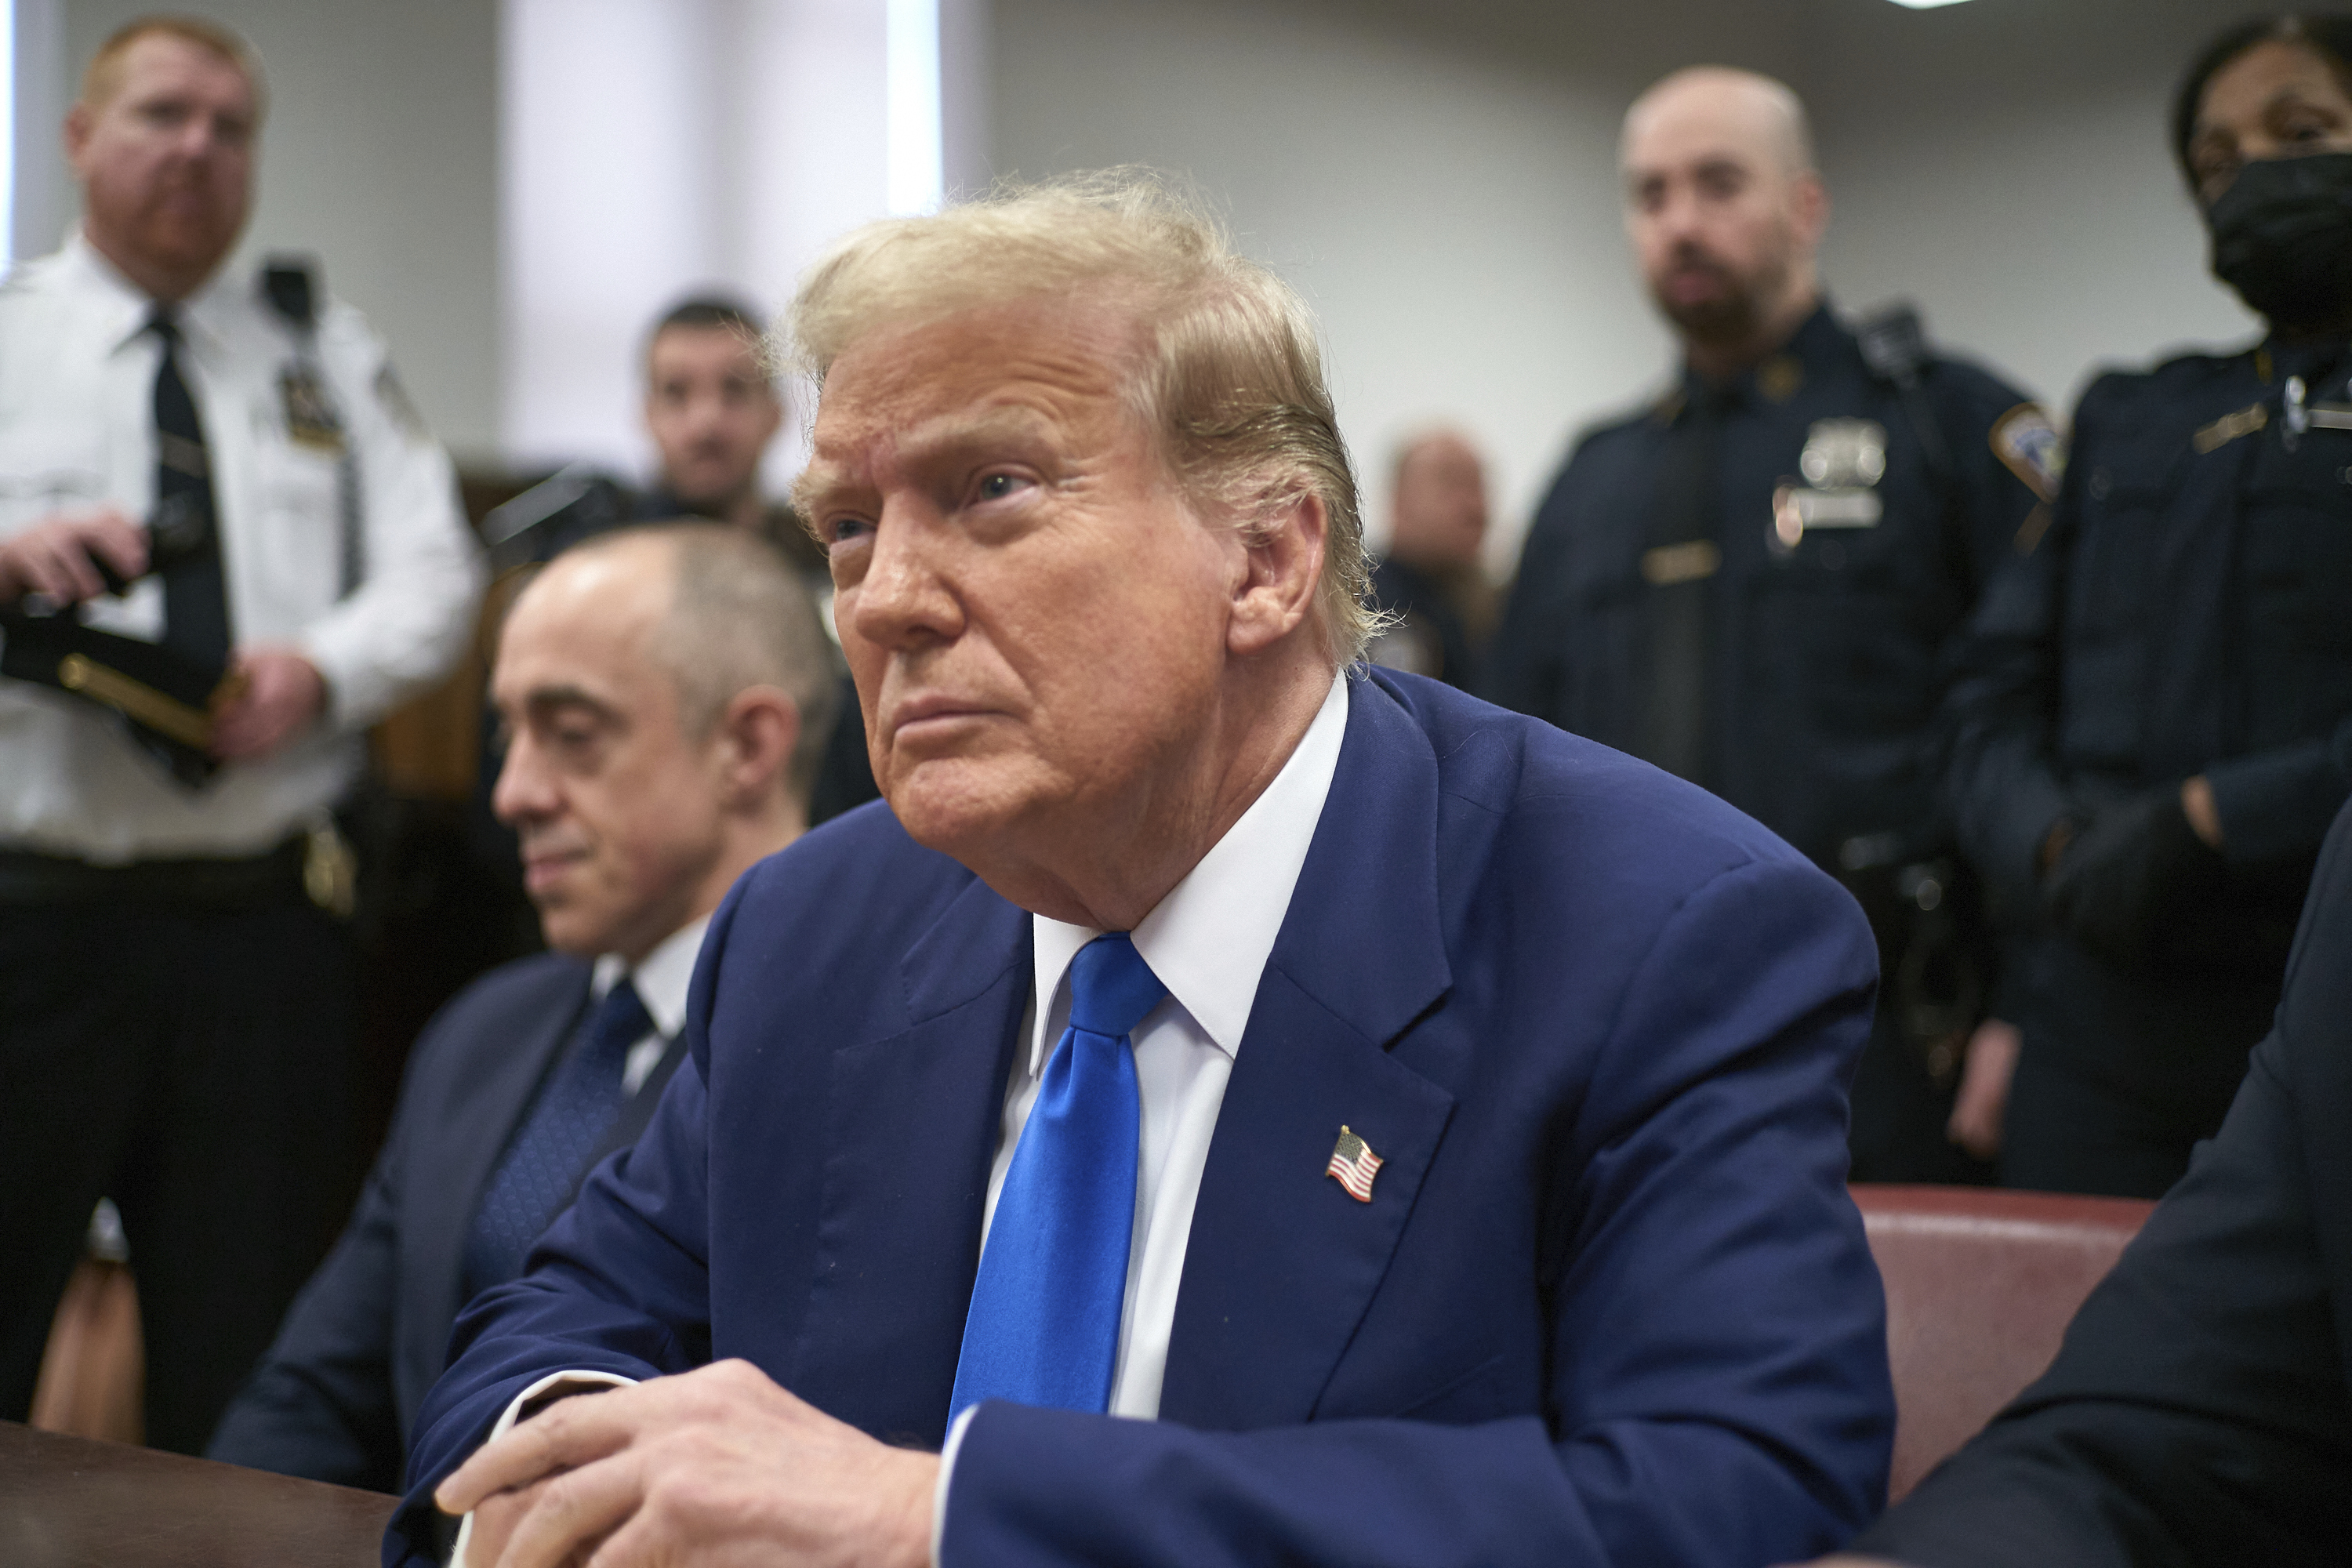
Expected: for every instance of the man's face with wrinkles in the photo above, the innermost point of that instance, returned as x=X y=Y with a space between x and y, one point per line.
x=1035 y=614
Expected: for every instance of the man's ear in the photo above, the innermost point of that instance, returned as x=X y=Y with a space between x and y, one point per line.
x=756 y=735
x=1813 y=208
x=78 y=126
x=1282 y=570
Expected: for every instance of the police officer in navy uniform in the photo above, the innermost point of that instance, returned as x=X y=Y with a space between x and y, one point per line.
x=1754 y=582
x=2156 y=724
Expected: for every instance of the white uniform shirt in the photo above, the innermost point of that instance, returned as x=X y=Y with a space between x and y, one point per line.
x=76 y=431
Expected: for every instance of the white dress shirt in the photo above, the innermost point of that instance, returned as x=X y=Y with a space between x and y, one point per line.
x=77 y=432
x=662 y=981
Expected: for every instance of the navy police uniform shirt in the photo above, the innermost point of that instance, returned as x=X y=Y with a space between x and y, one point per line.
x=2189 y=611
x=1844 y=561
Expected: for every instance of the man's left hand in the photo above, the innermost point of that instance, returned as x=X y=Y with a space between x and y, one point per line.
x=718 y=1466
x=283 y=693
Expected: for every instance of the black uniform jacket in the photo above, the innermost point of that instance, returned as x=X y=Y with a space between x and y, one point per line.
x=2199 y=1410
x=335 y=1397
x=1827 y=660
x=2189 y=612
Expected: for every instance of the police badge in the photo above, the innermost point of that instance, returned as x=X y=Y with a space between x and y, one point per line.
x=310 y=417
x=1842 y=462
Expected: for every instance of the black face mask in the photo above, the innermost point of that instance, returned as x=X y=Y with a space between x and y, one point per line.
x=2283 y=237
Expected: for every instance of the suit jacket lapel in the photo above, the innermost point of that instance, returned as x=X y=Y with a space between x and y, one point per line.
x=1282 y=1262
x=638 y=1109
x=451 y=1163
x=913 y=1122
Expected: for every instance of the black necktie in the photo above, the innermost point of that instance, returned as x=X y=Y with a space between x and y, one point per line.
x=195 y=597
x=1679 y=559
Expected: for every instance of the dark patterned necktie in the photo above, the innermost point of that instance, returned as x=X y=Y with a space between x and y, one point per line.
x=196 y=595
x=566 y=1124
x=1680 y=558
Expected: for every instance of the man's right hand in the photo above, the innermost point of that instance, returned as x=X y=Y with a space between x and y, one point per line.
x=58 y=557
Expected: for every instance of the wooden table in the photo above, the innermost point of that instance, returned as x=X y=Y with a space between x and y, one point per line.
x=68 y=1502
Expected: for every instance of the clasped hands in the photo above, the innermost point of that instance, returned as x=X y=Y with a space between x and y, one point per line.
x=718 y=1466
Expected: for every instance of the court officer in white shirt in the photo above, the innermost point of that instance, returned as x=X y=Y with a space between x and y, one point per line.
x=224 y=476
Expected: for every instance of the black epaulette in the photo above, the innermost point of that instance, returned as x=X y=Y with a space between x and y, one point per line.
x=289 y=287
x=1895 y=346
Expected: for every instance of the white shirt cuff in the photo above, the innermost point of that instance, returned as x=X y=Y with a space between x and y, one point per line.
x=513 y=1413
x=948 y=1451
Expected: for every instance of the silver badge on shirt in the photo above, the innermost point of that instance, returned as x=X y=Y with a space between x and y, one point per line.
x=1842 y=462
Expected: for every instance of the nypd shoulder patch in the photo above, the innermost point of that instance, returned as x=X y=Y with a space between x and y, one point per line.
x=2025 y=439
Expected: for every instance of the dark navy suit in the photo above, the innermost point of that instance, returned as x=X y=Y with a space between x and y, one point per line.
x=1610 y=1300
x=336 y=1396
x=2199 y=1411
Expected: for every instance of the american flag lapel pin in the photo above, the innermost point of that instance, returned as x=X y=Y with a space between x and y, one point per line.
x=1353 y=1166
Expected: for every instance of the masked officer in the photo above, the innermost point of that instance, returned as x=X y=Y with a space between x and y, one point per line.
x=226 y=546
x=1752 y=581
x=2155 y=725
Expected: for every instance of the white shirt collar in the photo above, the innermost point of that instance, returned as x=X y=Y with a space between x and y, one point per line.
x=127 y=305
x=662 y=979
x=1209 y=939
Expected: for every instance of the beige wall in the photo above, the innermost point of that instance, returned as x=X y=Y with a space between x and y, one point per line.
x=1443 y=188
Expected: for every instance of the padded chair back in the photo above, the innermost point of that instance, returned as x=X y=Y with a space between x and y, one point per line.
x=1980 y=1284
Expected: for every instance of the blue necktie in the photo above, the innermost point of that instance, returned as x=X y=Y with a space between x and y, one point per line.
x=1043 y=1324
x=542 y=1166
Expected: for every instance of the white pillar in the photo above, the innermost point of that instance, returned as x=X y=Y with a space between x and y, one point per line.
x=653 y=147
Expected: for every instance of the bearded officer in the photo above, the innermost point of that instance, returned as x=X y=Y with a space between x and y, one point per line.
x=1751 y=582
x=174 y=1011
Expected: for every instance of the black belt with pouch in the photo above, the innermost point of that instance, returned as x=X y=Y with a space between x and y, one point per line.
x=27 y=878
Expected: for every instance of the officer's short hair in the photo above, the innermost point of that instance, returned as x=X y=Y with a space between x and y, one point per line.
x=738 y=618
x=2327 y=35
x=1230 y=379
x=102 y=77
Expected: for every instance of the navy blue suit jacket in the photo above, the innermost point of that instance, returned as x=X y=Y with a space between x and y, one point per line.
x=336 y=1396
x=1610 y=1300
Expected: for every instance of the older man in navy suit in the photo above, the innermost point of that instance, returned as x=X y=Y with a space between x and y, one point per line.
x=1229 y=1107
x=668 y=693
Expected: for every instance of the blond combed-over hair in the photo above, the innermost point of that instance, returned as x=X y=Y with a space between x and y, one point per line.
x=1230 y=380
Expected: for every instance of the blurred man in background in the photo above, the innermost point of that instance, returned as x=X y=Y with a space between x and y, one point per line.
x=1431 y=580
x=1751 y=582
x=668 y=692
x=713 y=408
x=227 y=544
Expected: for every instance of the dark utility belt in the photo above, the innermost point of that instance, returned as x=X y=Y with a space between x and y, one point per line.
x=28 y=879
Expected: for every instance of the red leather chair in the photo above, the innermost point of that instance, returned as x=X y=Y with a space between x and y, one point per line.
x=1980 y=1284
